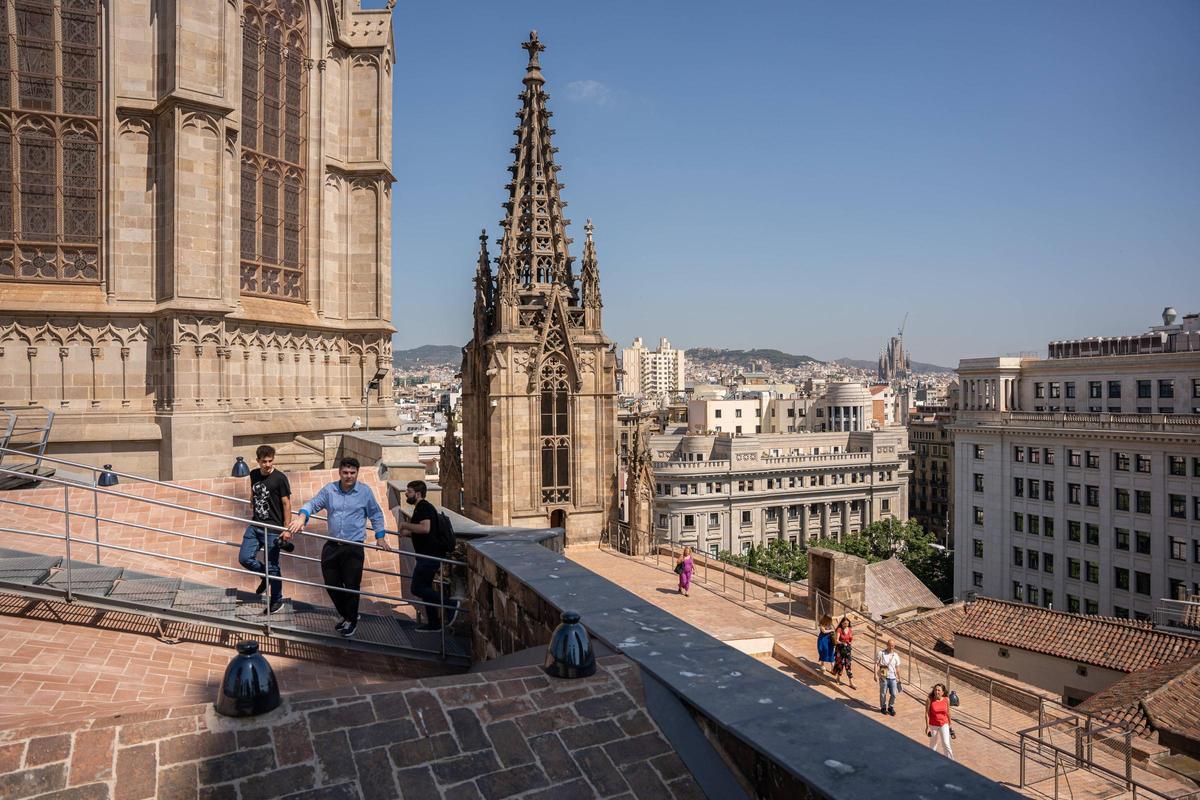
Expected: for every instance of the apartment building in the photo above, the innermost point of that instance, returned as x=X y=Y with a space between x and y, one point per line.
x=1077 y=476
x=652 y=373
x=726 y=492
x=931 y=488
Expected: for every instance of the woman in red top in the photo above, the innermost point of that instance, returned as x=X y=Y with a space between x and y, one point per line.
x=937 y=720
x=844 y=651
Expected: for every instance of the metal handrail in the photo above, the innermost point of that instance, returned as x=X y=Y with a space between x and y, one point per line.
x=1131 y=785
x=96 y=491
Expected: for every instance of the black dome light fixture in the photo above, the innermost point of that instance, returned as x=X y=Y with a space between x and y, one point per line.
x=249 y=687
x=570 y=653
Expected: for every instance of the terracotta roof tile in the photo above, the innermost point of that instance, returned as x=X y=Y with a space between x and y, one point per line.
x=1118 y=644
x=1166 y=697
x=891 y=587
x=933 y=630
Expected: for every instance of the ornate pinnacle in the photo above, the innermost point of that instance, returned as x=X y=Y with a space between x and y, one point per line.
x=533 y=71
x=589 y=227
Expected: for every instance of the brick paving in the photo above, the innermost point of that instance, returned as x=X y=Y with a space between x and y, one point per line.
x=991 y=751
x=61 y=662
x=510 y=733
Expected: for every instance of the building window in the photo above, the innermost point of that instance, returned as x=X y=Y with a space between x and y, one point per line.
x=737 y=412
x=745 y=547
x=1093 y=460
x=1073 y=568
x=714 y=520
x=1144 y=390
x=1090 y=606
x=978 y=452
x=1073 y=458
x=1048 y=562
x=689 y=521
x=1018 y=487
x=1069 y=388
x=1177 y=506
x=1176 y=589
x=1120 y=612
x=1092 y=572
x=1047 y=598
x=1141 y=541
x=1114 y=390
x=1048 y=491
x=1048 y=455
x=1095 y=390
x=1121 y=538
x=1018 y=522
x=1092 y=534
x=1166 y=389
x=556 y=433
x=1018 y=454
x=1121 y=462
x=1039 y=390
x=1074 y=529
x=885 y=505
x=745 y=517
x=1093 y=496
x=978 y=545
x=1178 y=549
x=50 y=142
x=1031 y=594
x=1177 y=466
x=1121 y=578
x=978 y=482
x=275 y=71
x=1141 y=583
x=1018 y=557
x=1048 y=527
x=978 y=515
x=1073 y=493
x=1034 y=526
x=1055 y=391
x=717 y=415
x=714 y=550
x=1072 y=604
x=1031 y=559
x=662 y=520
x=1016 y=587
x=1143 y=464
x=977 y=579
x=1034 y=489
x=1143 y=502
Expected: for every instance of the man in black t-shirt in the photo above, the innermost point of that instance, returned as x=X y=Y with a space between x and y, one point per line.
x=270 y=502
x=423 y=528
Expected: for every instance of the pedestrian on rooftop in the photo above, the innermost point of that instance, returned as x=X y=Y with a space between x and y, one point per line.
x=844 y=651
x=270 y=504
x=423 y=528
x=937 y=720
x=887 y=664
x=683 y=568
x=350 y=504
x=825 y=643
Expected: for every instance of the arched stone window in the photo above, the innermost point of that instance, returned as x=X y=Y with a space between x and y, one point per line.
x=555 y=433
x=50 y=140
x=274 y=118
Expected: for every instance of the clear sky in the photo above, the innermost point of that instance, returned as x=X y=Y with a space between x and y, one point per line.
x=798 y=175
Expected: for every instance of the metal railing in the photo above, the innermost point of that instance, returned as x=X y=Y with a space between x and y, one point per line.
x=1178 y=616
x=16 y=425
x=72 y=541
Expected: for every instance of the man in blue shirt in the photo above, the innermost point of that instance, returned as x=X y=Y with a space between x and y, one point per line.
x=350 y=504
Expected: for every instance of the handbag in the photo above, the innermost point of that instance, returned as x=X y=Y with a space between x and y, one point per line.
x=954 y=699
x=899 y=687
x=679 y=568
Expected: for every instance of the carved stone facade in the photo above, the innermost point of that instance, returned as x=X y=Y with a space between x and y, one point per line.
x=212 y=268
x=539 y=375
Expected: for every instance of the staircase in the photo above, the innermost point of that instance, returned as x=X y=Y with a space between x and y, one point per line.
x=302 y=453
x=24 y=432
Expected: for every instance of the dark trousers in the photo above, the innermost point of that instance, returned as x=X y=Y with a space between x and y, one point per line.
x=422 y=586
x=253 y=540
x=341 y=568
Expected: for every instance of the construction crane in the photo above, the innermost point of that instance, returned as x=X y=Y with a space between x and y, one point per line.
x=903 y=325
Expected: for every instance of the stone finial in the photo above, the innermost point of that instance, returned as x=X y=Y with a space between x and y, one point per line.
x=533 y=70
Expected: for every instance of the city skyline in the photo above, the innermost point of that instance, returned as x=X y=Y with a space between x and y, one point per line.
x=1007 y=153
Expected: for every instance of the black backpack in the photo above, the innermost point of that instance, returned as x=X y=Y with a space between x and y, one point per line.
x=444 y=535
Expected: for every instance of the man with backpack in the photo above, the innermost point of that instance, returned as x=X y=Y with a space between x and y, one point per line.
x=429 y=538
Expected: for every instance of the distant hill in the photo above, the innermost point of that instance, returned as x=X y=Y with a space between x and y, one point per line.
x=427 y=355
x=776 y=359
x=917 y=366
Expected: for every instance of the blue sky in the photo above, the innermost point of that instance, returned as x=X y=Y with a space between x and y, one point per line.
x=798 y=175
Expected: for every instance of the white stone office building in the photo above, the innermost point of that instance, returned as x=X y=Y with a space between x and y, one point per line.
x=725 y=492
x=838 y=407
x=653 y=373
x=1077 y=477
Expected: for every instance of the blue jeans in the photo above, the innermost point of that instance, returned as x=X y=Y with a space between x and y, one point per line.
x=252 y=542
x=887 y=686
x=422 y=586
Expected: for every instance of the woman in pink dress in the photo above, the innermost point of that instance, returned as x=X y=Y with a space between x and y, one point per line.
x=683 y=568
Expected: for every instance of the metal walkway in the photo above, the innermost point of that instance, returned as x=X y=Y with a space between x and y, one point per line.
x=120 y=589
x=161 y=597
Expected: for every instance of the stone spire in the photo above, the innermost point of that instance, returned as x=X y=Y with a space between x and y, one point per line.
x=533 y=250
x=484 y=299
x=589 y=276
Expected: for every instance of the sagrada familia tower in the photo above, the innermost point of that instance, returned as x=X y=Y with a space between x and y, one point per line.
x=539 y=375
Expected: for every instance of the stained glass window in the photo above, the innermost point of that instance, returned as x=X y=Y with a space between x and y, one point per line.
x=50 y=140
x=274 y=116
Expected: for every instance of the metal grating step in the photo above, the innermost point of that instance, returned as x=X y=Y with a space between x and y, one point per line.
x=91 y=580
x=27 y=569
x=214 y=602
x=158 y=592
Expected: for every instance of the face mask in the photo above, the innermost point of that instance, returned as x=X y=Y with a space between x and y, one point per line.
x=412 y=501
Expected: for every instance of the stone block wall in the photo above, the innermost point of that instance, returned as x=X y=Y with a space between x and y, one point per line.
x=507 y=615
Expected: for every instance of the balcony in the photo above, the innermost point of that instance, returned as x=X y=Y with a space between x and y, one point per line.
x=1143 y=423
